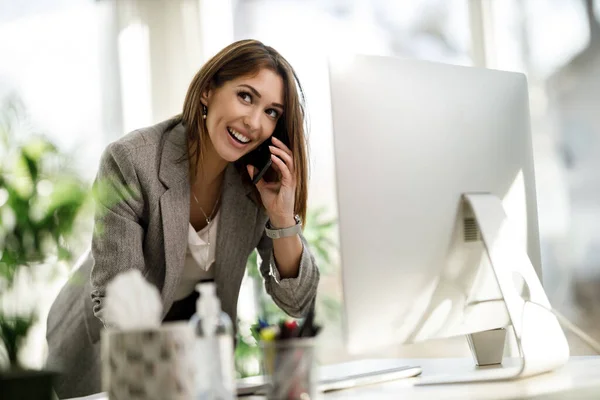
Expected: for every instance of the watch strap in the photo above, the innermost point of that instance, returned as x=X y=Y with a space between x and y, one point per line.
x=284 y=232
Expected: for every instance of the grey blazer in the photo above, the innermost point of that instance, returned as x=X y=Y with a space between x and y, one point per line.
x=149 y=232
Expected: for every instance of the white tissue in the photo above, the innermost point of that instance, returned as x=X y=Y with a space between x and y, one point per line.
x=132 y=303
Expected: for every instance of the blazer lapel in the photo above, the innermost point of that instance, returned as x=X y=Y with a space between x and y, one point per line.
x=234 y=235
x=175 y=209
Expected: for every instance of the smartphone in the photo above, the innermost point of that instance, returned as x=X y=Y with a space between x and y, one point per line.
x=260 y=158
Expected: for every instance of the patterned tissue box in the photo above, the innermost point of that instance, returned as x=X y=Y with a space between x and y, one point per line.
x=149 y=364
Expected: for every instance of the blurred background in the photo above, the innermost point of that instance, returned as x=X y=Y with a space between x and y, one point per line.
x=85 y=72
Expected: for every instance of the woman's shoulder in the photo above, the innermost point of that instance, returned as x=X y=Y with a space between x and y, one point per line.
x=137 y=150
x=144 y=143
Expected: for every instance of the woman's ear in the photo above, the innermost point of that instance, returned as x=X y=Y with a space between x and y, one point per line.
x=205 y=97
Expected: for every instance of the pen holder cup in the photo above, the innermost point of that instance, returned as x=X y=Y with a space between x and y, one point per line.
x=149 y=364
x=290 y=369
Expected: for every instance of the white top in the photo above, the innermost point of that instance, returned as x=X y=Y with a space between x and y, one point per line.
x=199 y=258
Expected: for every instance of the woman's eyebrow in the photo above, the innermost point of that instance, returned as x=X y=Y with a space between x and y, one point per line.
x=257 y=94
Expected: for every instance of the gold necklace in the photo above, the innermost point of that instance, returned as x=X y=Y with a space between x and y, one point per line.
x=208 y=219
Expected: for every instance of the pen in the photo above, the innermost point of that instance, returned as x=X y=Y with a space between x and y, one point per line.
x=288 y=329
x=262 y=323
x=306 y=330
x=269 y=333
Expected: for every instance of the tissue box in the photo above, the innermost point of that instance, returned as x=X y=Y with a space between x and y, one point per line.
x=149 y=364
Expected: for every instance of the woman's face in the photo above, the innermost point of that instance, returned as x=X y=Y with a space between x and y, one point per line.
x=243 y=113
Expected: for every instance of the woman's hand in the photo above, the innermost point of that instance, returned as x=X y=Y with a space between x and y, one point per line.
x=279 y=197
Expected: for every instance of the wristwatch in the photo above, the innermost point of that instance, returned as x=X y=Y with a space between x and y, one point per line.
x=284 y=232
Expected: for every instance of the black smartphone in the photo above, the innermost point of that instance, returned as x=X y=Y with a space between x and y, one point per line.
x=260 y=158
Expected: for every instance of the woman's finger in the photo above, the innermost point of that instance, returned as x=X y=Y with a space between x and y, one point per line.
x=287 y=158
x=251 y=171
x=281 y=145
x=261 y=184
x=286 y=175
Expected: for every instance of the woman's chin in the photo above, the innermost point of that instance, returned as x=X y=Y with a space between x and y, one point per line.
x=231 y=155
x=232 y=152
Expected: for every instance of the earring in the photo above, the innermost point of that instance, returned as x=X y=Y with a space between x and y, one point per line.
x=204 y=111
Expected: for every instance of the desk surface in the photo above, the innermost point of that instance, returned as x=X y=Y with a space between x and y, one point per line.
x=581 y=374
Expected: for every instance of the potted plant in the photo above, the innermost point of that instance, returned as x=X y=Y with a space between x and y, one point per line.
x=39 y=202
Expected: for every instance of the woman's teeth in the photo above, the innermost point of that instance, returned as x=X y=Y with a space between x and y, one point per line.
x=238 y=136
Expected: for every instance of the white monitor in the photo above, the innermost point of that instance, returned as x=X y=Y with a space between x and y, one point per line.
x=428 y=157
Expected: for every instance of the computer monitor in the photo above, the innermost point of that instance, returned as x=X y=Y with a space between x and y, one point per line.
x=437 y=209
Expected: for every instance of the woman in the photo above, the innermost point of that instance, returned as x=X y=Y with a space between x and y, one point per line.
x=188 y=211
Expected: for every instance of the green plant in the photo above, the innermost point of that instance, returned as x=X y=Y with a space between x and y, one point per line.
x=319 y=234
x=40 y=199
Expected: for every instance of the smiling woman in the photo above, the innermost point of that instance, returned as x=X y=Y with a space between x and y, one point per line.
x=188 y=212
x=243 y=117
x=248 y=116
x=256 y=94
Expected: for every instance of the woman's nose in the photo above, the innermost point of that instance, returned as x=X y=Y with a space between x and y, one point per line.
x=252 y=120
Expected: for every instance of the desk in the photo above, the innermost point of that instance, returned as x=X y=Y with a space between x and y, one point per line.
x=579 y=373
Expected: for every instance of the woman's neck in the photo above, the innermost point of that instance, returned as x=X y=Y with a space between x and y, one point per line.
x=210 y=169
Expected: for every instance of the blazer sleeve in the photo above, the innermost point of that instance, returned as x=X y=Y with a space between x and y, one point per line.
x=117 y=242
x=293 y=295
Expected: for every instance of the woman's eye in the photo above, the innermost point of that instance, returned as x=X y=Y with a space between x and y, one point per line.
x=273 y=113
x=245 y=96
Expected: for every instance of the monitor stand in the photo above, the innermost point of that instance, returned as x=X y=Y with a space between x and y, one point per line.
x=540 y=340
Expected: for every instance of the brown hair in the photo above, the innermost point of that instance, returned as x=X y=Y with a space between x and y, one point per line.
x=244 y=58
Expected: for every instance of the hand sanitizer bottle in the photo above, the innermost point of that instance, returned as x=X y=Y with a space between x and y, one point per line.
x=215 y=378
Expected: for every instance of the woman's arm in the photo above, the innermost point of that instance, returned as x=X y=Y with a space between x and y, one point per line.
x=118 y=235
x=296 y=294
x=290 y=272
x=287 y=250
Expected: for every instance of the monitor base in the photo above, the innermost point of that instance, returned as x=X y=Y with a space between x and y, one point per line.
x=487 y=347
x=540 y=340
